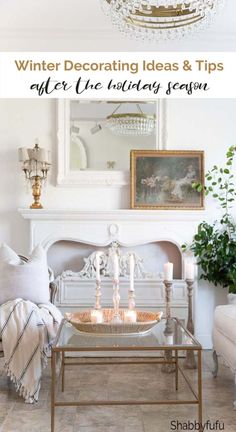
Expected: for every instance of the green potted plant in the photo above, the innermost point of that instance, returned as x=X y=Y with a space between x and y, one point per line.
x=214 y=245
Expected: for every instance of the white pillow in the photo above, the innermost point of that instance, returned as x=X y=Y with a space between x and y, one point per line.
x=8 y=255
x=29 y=281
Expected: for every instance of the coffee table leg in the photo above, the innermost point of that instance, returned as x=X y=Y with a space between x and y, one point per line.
x=200 y=388
x=169 y=366
x=53 y=382
x=63 y=372
x=176 y=370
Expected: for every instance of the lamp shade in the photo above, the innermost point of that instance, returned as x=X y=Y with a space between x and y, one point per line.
x=38 y=154
x=22 y=154
x=42 y=155
x=30 y=152
x=49 y=159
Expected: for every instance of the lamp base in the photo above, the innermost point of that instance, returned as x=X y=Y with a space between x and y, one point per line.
x=36 y=206
x=36 y=192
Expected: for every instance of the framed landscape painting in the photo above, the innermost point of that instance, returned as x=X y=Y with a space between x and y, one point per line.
x=162 y=179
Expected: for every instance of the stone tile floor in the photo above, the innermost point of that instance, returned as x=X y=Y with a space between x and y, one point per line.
x=140 y=382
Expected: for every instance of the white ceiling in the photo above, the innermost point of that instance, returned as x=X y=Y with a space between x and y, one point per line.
x=78 y=25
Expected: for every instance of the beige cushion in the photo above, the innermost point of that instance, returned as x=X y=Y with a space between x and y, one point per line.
x=225 y=321
x=0 y=345
x=225 y=348
x=29 y=281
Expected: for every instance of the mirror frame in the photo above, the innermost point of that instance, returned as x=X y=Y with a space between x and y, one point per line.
x=96 y=178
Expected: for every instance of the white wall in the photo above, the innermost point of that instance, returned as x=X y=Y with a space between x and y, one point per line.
x=192 y=124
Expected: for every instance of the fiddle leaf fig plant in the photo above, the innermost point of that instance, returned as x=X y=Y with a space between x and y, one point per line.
x=214 y=245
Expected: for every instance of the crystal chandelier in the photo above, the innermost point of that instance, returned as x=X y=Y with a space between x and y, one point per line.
x=161 y=19
x=137 y=123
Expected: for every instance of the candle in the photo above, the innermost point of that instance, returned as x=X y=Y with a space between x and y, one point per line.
x=97 y=260
x=169 y=339
x=96 y=316
x=116 y=267
x=189 y=270
x=131 y=271
x=130 y=316
x=168 y=271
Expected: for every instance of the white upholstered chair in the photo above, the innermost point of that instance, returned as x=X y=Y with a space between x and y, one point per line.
x=224 y=338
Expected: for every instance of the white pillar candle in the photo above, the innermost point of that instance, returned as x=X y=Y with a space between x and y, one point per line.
x=96 y=316
x=116 y=266
x=97 y=260
x=168 y=271
x=189 y=270
x=130 y=316
x=131 y=272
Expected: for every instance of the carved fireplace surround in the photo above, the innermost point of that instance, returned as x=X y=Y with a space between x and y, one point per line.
x=130 y=228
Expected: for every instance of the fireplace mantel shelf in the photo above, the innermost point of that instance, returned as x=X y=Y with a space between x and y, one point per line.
x=113 y=215
x=100 y=228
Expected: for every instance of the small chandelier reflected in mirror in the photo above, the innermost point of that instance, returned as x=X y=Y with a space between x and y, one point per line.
x=137 y=123
x=155 y=20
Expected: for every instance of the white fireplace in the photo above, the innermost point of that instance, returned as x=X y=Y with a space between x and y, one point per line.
x=134 y=230
x=128 y=227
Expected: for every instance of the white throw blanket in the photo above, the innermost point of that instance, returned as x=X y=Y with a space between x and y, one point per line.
x=27 y=332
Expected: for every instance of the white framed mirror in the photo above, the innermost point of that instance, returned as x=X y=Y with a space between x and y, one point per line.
x=95 y=139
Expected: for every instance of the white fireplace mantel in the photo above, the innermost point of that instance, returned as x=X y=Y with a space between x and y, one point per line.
x=124 y=214
x=128 y=227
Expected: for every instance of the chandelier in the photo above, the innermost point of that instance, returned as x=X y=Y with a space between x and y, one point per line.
x=161 y=19
x=137 y=123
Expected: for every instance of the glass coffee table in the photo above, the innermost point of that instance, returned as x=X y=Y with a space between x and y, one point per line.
x=168 y=336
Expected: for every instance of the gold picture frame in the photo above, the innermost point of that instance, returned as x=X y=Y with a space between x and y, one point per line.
x=162 y=179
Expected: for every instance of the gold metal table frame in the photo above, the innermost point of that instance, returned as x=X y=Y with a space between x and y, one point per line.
x=171 y=356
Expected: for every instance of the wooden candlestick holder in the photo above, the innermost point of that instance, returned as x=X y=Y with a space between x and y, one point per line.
x=190 y=361
x=168 y=354
x=116 y=300
x=98 y=295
